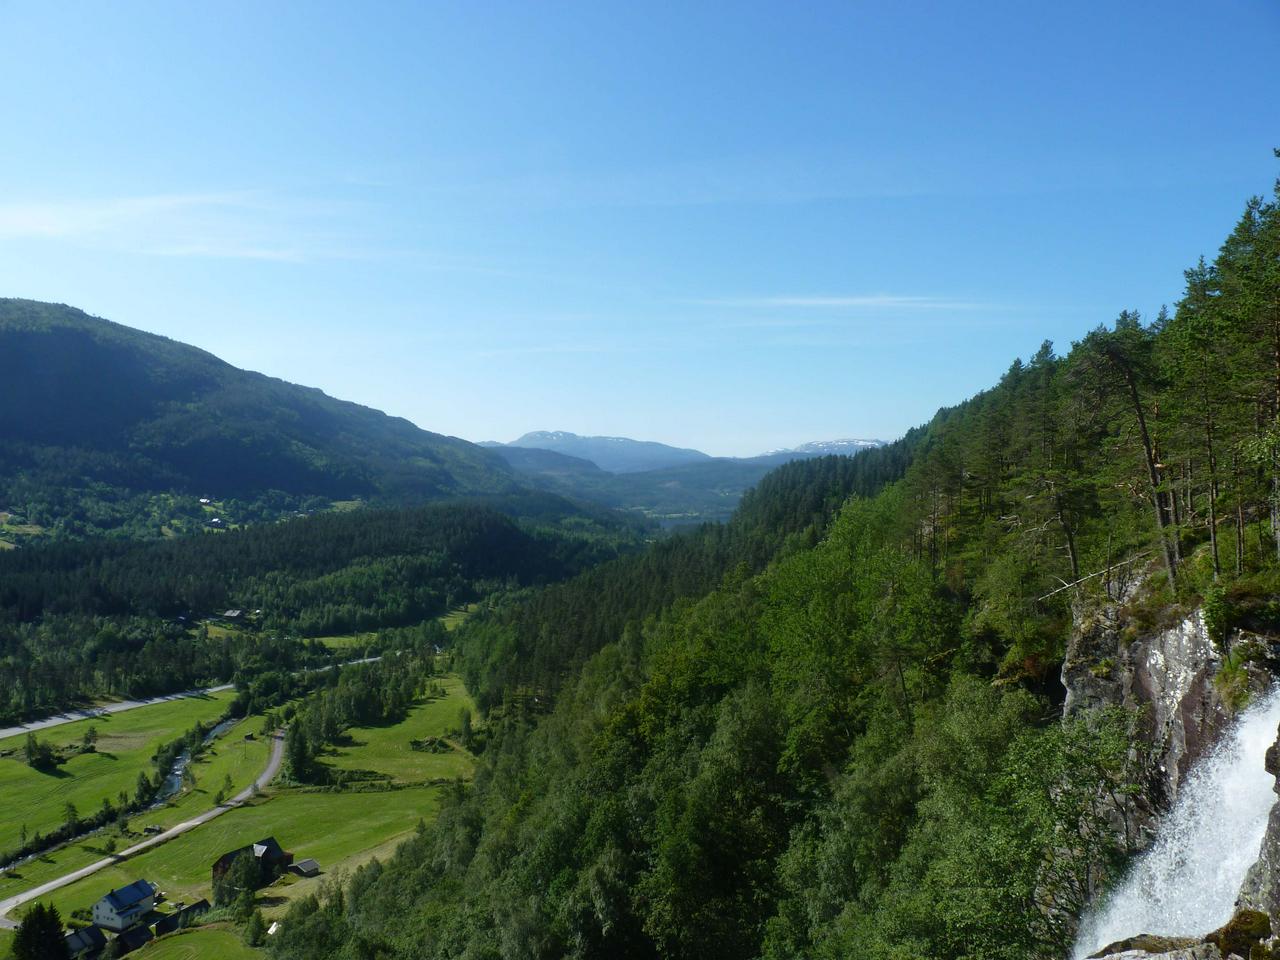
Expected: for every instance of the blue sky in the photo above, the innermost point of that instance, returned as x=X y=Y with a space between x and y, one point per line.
x=730 y=226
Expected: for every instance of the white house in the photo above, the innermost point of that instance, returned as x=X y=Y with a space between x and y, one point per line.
x=122 y=908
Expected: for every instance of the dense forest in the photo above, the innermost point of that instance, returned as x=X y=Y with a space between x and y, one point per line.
x=113 y=617
x=798 y=738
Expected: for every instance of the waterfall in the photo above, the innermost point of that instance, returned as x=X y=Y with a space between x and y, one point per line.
x=1187 y=882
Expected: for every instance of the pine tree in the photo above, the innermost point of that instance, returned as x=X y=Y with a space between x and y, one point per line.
x=39 y=935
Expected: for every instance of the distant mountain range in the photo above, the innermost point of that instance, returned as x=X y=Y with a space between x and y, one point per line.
x=672 y=485
x=614 y=454
x=624 y=455
x=826 y=448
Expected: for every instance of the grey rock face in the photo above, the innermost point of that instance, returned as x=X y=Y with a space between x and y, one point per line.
x=1173 y=672
x=1165 y=676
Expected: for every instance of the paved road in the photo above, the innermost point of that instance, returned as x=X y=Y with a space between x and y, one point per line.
x=120 y=707
x=272 y=768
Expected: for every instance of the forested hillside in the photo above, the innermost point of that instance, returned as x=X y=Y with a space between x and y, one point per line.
x=106 y=429
x=116 y=617
x=789 y=738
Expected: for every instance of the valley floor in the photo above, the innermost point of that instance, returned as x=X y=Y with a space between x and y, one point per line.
x=339 y=827
x=125 y=745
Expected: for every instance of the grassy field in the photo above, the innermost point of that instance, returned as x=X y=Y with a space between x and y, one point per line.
x=218 y=630
x=454 y=618
x=6 y=941
x=206 y=943
x=327 y=826
x=386 y=749
x=231 y=755
x=357 y=642
x=126 y=743
x=350 y=642
x=340 y=829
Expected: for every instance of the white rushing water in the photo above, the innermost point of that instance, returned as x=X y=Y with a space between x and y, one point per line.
x=1186 y=884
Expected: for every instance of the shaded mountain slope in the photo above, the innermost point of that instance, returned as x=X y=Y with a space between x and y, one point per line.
x=88 y=402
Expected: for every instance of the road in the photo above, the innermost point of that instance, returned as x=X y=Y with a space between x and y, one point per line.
x=273 y=767
x=71 y=716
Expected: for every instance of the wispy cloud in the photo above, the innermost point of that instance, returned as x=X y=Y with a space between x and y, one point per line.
x=552 y=349
x=230 y=225
x=876 y=301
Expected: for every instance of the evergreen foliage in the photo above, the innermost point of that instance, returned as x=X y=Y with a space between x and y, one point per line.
x=39 y=935
x=791 y=737
x=98 y=617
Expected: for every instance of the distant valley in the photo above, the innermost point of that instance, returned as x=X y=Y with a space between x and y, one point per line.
x=670 y=485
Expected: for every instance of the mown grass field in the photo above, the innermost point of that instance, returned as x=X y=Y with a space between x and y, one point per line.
x=219 y=631
x=454 y=618
x=387 y=750
x=339 y=828
x=350 y=642
x=359 y=642
x=327 y=826
x=229 y=755
x=207 y=943
x=126 y=743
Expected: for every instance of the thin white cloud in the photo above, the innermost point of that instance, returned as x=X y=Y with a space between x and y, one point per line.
x=556 y=348
x=877 y=301
x=228 y=225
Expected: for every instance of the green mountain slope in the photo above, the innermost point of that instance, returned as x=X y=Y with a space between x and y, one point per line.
x=847 y=741
x=94 y=414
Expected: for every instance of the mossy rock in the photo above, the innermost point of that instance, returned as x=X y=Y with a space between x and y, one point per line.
x=1242 y=933
x=1147 y=943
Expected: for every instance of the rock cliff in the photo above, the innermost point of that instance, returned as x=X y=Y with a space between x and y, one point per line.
x=1169 y=678
x=1163 y=677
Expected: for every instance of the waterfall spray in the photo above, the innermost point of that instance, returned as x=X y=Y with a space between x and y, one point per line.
x=1186 y=884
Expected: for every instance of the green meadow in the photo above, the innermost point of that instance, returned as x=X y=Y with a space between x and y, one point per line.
x=126 y=743
x=230 y=755
x=454 y=618
x=387 y=749
x=355 y=643
x=327 y=826
x=205 y=943
x=339 y=828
